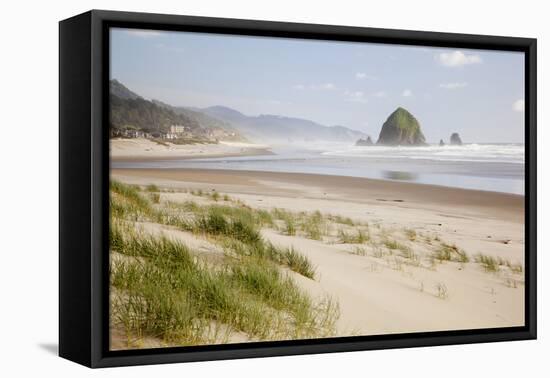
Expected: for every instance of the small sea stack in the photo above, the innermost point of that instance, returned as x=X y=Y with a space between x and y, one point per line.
x=364 y=142
x=455 y=140
x=441 y=143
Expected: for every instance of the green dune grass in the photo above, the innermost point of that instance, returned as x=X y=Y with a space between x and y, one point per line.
x=163 y=289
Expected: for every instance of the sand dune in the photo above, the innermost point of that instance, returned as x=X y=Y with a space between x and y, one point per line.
x=385 y=293
x=140 y=148
x=378 y=297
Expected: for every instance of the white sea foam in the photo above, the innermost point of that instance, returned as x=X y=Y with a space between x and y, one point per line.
x=472 y=166
x=503 y=153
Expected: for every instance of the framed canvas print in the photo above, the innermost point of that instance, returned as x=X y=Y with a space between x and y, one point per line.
x=234 y=188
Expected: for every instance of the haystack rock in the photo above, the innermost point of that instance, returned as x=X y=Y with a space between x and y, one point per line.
x=401 y=129
x=364 y=142
x=455 y=140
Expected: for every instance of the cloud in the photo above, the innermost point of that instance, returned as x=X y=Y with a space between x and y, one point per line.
x=519 y=105
x=380 y=94
x=315 y=87
x=324 y=86
x=355 y=96
x=453 y=85
x=363 y=76
x=457 y=59
x=143 y=33
x=407 y=93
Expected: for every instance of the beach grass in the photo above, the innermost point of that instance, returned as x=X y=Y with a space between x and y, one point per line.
x=288 y=219
x=289 y=227
x=215 y=196
x=393 y=244
x=411 y=234
x=152 y=188
x=298 y=262
x=227 y=224
x=357 y=237
x=441 y=290
x=171 y=294
x=347 y=221
x=312 y=225
x=288 y=257
x=516 y=268
x=131 y=193
x=155 y=197
x=359 y=251
x=450 y=252
x=163 y=290
x=248 y=261
x=495 y=264
x=216 y=222
x=234 y=220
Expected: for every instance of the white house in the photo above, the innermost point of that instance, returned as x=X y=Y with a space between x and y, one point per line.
x=177 y=129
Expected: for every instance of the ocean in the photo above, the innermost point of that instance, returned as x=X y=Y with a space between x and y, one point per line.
x=490 y=167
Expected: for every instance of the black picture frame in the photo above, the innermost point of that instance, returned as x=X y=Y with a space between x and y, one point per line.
x=84 y=180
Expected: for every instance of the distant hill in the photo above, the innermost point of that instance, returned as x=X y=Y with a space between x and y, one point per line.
x=141 y=114
x=225 y=113
x=401 y=129
x=202 y=119
x=117 y=89
x=131 y=111
x=275 y=128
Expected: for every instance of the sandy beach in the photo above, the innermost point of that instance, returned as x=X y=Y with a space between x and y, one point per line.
x=379 y=291
x=269 y=209
x=141 y=148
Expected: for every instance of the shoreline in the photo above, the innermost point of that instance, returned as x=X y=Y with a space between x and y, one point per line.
x=487 y=176
x=147 y=158
x=496 y=204
x=140 y=149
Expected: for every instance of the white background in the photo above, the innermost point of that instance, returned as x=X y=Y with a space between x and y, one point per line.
x=29 y=186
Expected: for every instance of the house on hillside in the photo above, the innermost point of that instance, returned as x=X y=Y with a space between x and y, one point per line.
x=169 y=136
x=134 y=134
x=177 y=129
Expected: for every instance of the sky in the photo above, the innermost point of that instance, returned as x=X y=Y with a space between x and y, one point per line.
x=477 y=93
